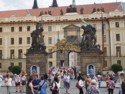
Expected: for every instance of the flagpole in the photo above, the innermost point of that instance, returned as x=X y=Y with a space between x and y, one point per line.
x=102 y=40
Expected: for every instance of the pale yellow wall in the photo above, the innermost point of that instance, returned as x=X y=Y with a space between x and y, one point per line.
x=7 y=34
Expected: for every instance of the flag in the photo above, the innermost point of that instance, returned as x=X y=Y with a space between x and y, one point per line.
x=84 y=22
x=102 y=24
x=41 y=23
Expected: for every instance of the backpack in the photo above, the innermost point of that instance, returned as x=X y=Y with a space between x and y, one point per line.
x=93 y=90
x=77 y=85
x=111 y=85
x=55 y=90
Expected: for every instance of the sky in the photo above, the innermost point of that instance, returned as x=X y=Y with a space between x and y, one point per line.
x=27 y=4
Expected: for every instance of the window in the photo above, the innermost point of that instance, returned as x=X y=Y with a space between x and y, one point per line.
x=28 y=28
x=20 y=28
x=1 y=29
x=0 y=54
x=117 y=24
x=12 y=29
x=49 y=28
x=12 y=41
x=50 y=40
x=105 y=51
x=105 y=64
x=0 y=41
x=0 y=65
x=117 y=37
x=118 y=51
x=11 y=54
x=20 y=64
x=20 y=53
x=20 y=40
x=11 y=64
x=28 y=40
x=50 y=64
x=119 y=62
x=104 y=38
x=50 y=55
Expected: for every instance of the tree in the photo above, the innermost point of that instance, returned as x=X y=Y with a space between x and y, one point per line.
x=10 y=68
x=116 y=67
x=16 y=70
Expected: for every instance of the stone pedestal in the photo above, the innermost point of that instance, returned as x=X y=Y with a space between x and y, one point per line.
x=90 y=58
x=36 y=59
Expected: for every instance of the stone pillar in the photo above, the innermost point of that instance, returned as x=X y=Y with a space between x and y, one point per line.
x=90 y=58
x=38 y=59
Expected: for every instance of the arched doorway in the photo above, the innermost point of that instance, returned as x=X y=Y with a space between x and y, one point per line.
x=35 y=68
x=90 y=66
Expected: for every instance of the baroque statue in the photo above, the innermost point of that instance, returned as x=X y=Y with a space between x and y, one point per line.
x=88 y=41
x=37 y=39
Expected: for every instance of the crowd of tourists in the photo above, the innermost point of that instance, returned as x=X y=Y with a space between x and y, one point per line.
x=58 y=78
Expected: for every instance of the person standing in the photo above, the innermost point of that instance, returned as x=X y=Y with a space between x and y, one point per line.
x=92 y=88
x=1 y=80
x=17 y=82
x=81 y=84
x=43 y=86
x=110 y=86
x=23 y=82
x=67 y=82
x=92 y=72
x=45 y=76
x=35 y=83
x=8 y=83
x=55 y=86
x=29 y=88
x=87 y=81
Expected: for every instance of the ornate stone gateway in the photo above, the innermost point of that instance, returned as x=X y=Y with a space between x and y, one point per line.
x=63 y=48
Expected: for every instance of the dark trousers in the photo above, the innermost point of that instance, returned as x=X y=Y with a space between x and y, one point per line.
x=110 y=91
x=81 y=91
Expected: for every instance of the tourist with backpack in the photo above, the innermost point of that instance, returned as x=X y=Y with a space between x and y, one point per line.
x=55 y=86
x=110 y=86
x=43 y=86
x=92 y=88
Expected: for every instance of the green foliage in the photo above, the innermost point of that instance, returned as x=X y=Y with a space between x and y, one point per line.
x=16 y=70
x=116 y=67
x=10 y=68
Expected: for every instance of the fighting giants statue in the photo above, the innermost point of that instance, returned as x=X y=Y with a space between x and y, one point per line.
x=89 y=39
x=37 y=39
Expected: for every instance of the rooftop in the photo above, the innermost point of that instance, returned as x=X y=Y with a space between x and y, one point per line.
x=56 y=11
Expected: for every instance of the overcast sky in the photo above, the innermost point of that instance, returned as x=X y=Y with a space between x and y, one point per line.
x=27 y=4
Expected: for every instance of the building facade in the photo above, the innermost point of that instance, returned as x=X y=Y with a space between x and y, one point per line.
x=17 y=25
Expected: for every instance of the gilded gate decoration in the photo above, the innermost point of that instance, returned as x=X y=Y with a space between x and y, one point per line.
x=63 y=45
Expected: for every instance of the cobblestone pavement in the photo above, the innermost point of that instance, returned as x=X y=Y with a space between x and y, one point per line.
x=72 y=90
